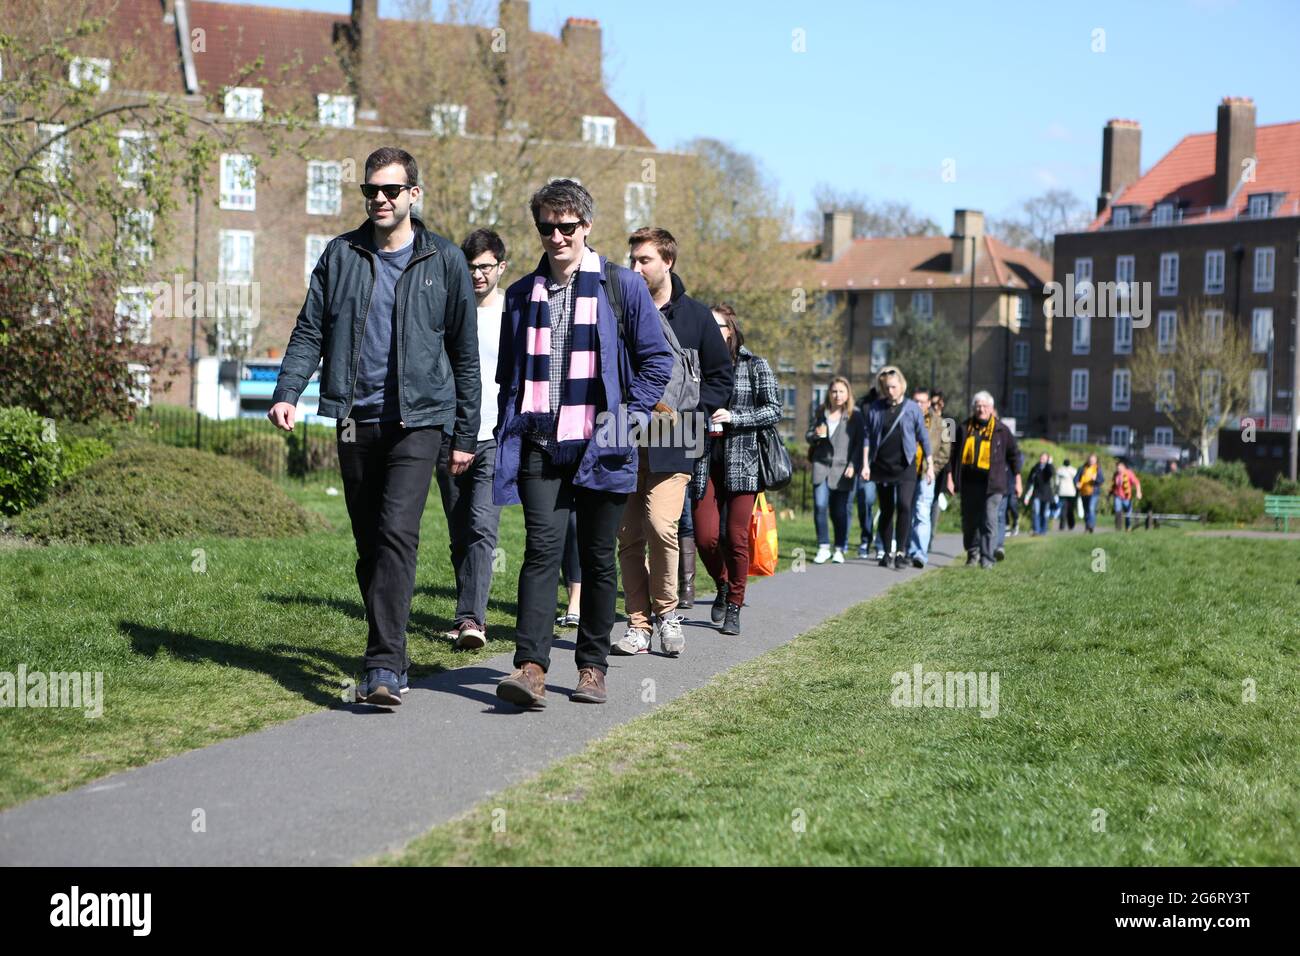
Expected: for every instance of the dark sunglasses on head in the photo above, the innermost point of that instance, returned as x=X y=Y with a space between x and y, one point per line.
x=566 y=228
x=391 y=190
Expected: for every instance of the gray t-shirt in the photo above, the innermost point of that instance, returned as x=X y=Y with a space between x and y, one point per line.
x=376 y=393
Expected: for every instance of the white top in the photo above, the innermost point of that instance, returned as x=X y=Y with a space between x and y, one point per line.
x=833 y=423
x=489 y=340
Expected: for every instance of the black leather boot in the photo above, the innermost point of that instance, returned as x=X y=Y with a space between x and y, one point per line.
x=686 y=572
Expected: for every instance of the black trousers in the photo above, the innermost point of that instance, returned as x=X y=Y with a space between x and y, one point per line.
x=895 y=500
x=979 y=520
x=548 y=495
x=1067 y=512
x=387 y=470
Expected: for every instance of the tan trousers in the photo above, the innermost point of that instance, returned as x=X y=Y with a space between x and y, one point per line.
x=650 y=518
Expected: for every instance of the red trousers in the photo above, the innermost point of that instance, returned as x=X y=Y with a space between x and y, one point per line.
x=726 y=556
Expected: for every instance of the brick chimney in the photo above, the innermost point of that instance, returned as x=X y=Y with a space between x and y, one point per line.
x=365 y=57
x=967 y=223
x=1121 y=159
x=581 y=37
x=837 y=234
x=1234 y=143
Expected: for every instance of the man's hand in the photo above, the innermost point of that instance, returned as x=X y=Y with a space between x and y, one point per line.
x=848 y=472
x=460 y=461
x=950 y=491
x=282 y=415
x=1020 y=487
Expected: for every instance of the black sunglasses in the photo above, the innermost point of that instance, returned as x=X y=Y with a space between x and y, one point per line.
x=391 y=190
x=566 y=228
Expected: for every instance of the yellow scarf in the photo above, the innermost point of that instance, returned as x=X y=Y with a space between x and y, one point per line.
x=1087 y=480
x=986 y=445
x=920 y=452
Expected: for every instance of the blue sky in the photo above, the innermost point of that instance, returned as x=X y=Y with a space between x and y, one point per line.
x=1013 y=93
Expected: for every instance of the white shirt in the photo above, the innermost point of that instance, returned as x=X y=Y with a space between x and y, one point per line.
x=489 y=340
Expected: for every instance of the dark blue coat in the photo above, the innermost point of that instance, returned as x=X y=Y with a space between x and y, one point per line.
x=644 y=362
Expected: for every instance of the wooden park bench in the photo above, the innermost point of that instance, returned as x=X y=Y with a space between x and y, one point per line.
x=1282 y=508
x=1153 y=518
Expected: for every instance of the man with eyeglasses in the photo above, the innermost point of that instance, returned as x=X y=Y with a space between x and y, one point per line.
x=472 y=518
x=390 y=309
x=566 y=364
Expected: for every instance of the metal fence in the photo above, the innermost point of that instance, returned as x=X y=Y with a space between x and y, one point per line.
x=256 y=442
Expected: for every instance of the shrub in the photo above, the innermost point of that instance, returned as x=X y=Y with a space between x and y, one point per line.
x=29 y=465
x=1193 y=493
x=1230 y=473
x=1285 y=486
x=79 y=454
x=267 y=453
x=148 y=492
x=316 y=451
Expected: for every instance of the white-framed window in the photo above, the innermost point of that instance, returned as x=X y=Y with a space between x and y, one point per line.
x=243 y=103
x=1213 y=329
x=1214 y=272
x=638 y=205
x=882 y=308
x=923 y=305
x=141 y=379
x=1166 y=330
x=1121 y=391
x=1261 y=205
x=315 y=249
x=785 y=366
x=1169 y=273
x=1079 y=390
x=55 y=157
x=1163 y=215
x=1165 y=382
x=135 y=239
x=1120 y=217
x=879 y=354
x=1081 y=340
x=89 y=71
x=448 y=119
x=336 y=109
x=133 y=149
x=135 y=308
x=1124 y=272
x=789 y=401
x=822 y=367
x=235 y=266
x=1123 y=334
x=482 y=189
x=1020 y=403
x=818 y=396
x=1261 y=329
x=1120 y=435
x=1259 y=390
x=1164 y=436
x=1211 y=389
x=238 y=181
x=1078 y=434
x=1082 y=276
x=599 y=130
x=1021 y=361
x=324 y=188
x=1264 y=270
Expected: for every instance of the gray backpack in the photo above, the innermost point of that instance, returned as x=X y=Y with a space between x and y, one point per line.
x=682 y=394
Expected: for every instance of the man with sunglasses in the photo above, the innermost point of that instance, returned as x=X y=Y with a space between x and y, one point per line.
x=390 y=309
x=567 y=367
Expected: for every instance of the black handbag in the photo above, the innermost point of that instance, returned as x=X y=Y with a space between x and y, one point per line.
x=774 y=467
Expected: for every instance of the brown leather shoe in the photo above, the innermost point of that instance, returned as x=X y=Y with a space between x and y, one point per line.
x=526 y=687
x=591 y=687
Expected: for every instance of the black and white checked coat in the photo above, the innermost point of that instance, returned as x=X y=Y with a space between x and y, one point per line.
x=755 y=404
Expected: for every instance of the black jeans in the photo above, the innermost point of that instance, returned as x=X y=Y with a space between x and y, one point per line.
x=387 y=470
x=979 y=520
x=1067 y=512
x=548 y=494
x=895 y=500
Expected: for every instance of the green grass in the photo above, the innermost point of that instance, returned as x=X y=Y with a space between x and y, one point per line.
x=1121 y=692
x=270 y=631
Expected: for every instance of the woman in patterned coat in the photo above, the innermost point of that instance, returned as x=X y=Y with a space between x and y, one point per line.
x=725 y=481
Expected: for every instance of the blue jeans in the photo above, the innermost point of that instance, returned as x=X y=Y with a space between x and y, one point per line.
x=1123 y=506
x=864 y=492
x=837 y=504
x=1090 y=511
x=1041 y=514
x=919 y=544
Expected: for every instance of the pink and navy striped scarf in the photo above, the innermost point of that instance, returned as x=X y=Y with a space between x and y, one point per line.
x=574 y=421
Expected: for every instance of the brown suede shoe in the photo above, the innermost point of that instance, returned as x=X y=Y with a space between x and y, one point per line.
x=591 y=687
x=526 y=687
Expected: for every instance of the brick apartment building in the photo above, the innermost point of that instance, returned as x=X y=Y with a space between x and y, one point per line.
x=868 y=282
x=1209 y=240
x=364 y=82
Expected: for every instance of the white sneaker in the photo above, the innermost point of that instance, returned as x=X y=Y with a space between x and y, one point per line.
x=633 y=641
x=823 y=554
x=838 y=556
x=671 y=639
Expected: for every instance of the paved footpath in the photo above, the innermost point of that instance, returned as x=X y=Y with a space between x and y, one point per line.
x=349 y=783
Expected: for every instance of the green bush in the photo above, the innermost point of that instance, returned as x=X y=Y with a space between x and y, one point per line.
x=1193 y=493
x=1285 y=486
x=79 y=454
x=149 y=492
x=29 y=465
x=1230 y=473
x=267 y=453
x=312 y=451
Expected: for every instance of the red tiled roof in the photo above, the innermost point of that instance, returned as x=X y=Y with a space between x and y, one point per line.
x=1186 y=175
x=925 y=263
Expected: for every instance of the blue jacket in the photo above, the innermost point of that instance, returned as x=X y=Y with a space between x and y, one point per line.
x=643 y=361
x=911 y=424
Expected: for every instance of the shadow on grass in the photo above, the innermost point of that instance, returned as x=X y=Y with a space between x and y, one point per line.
x=435 y=624
x=298 y=668
x=508 y=608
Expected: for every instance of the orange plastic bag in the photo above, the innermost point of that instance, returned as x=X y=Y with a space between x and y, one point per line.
x=763 y=545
